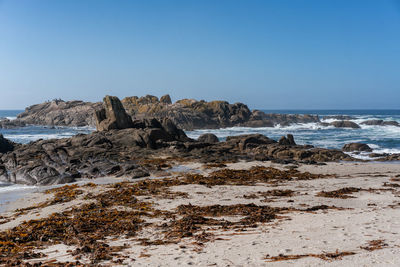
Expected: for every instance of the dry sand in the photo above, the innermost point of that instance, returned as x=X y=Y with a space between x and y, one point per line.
x=366 y=216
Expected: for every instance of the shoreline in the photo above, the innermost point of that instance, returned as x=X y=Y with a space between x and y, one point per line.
x=344 y=225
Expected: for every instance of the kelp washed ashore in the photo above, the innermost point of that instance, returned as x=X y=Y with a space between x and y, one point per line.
x=105 y=224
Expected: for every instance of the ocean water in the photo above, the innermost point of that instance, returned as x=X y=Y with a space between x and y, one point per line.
x=27 y=134
x=382 y=139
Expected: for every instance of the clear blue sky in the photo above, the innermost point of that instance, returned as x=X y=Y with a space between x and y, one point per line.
x=269 y=54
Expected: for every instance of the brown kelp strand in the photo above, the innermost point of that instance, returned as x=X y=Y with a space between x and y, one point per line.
x=324 y=256
x=340 y=193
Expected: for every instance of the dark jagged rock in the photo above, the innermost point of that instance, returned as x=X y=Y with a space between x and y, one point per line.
x=113 y=152
x=112 y=115
x=345 y=124
x=244 y=142
x=123 y=153
x=208 y=138
x=60 y=113
x=287 y=141
x=6 y=145
x=166 y=99
x=356 y=147
x=381 y=123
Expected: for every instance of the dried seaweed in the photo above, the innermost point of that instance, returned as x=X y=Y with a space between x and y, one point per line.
x=323 y=256
x=117 y=212
x=375 y=245
x=340 y=193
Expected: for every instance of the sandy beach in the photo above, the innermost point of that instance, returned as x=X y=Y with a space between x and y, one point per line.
x=341 y=214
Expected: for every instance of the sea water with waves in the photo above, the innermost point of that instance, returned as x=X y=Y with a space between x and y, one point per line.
x=382 y=139
x=11 y=192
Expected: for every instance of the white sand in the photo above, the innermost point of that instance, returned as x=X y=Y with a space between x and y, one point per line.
x=368 y=216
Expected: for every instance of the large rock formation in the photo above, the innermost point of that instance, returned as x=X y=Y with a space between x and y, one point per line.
x=123 y=152
x=187 y=114
x=60 y=113
x=190 y=114
x=113 y=152
x=112 y=115
x=208 y=138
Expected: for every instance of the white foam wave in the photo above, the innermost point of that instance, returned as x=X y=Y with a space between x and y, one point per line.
x=304 y=126
x=11 y=118
x=6 y=187
x=34 y=137
x=387 y=151
x=362 y=156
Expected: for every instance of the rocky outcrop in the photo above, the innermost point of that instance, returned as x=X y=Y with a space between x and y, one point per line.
x=11 y=124
x=287 y=141
x=190 y=114
x=345 y=124
x=381 y=123
x=129 y=152
x=60 y=113
x=187 y=114
x=112 y=115
x=356 y=147
x=6 y=145
x=106 y=153
x=166 y=99
x=208 y=138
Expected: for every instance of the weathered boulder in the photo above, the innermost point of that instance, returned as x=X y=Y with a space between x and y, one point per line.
x=166 y=99
x=381 y=123
x=6 y=145
x=112 y=115
x=287 y=141
x=356 y=147
x=345 y=124
x=249 y=140
x=208 y=138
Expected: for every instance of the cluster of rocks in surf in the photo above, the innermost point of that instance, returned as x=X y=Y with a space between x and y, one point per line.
x=187 y=114
x=121 y=144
